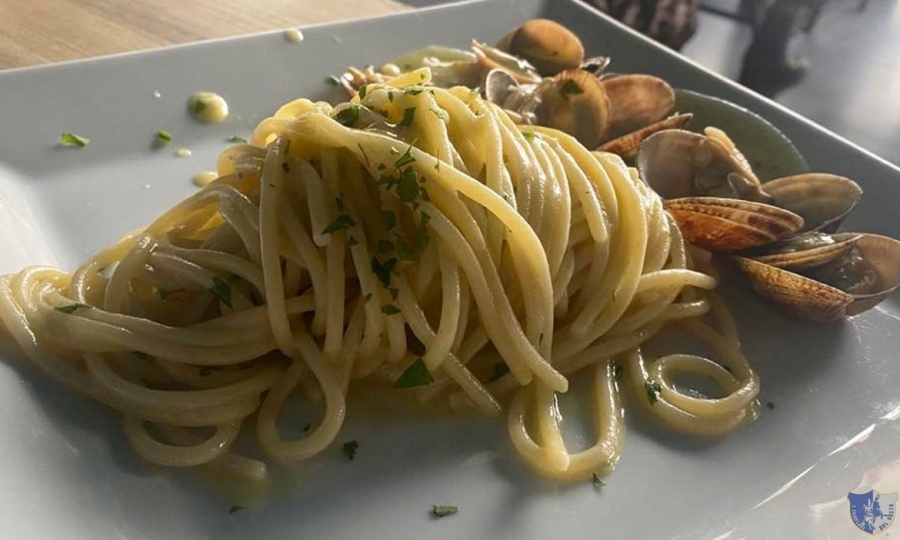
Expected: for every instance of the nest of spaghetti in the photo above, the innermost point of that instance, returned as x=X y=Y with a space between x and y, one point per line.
x=415 y=237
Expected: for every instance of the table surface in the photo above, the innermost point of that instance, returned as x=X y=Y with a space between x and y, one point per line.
x=36 y=32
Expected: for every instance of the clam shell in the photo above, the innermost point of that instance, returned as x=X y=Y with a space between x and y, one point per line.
x=883 y=255
x=637 y=101
x=627 y=146
x=799 y=296
x=823 y=200
x=811 y=257
x=547 y=45
x=574 y=102
x=731 y=225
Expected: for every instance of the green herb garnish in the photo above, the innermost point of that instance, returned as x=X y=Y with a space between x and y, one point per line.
x=236 y=139
x=408 y=187
x=442 y=511
x=71 y=139
x=500 y=369
x=653 y=391
x=382 y=270
x=528 y=134
x=416 y=374
x=390 y=218
x=198 y=106
x=341 y=222
x=394 y=292
x=596 y=480
x=413 y=90
x=235 y=509
x=221 y=290
x=409 y=114
x=362 y=91
x=420 y=237
x=72 y=308
x=770 y=405
x=390 y=309
x=569 y=88
x=349 y=116
x=349 y=449
x=404 y=252
x=163 y=137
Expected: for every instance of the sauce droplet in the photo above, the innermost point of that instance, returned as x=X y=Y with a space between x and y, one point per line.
x=208 y=107
x=182 y=152
x=202 y=179
x=293 y=35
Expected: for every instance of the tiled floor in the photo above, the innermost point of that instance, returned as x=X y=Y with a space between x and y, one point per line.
x=853 y=85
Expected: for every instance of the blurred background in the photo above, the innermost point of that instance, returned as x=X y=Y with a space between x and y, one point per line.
x=836 y=62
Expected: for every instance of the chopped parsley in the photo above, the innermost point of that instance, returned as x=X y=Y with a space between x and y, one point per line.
x=569 y=88
x=500 y=369
x=408 y=187
x=235 y=509
x=362 y=91
x=413 y=90
x=404 y=252
x=406 y=158
x=285 y=167
x=442 y=511
x=341 y=222
x=71 y=139
x=72 y=308
x=306 y=428
x=221 y=290
x=349 y=116
x=198 y=106
x=394 y=292
x=384 y=246
x=409 y=115
x=420 y=237
x=439 y=113
x=349 y=449
x=416 y=374
x=653 y=391
x=390 y=218
x=528 y=134
x=596 y=480
x=770 y=405
x=383 y=270
x=163 y=137
x=236 y=139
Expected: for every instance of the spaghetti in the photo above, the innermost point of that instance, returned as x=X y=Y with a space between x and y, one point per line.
x=415 y=234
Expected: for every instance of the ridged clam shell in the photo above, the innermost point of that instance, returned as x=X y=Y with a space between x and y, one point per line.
x=731 y=225
x=883 y=255
x=811 y=257
x=637 y=101
x=823 y=200
x=627 y=146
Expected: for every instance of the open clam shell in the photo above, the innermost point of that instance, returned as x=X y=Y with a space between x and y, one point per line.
x=876 y=258
x=637 y=101
x=575 y=102
x=824 y=200
x=770 y=153
x=799 y=296
x=627 y=146
x=808 y=251
x=731 y=225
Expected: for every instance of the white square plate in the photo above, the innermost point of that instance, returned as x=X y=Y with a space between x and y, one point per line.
x=66 y=470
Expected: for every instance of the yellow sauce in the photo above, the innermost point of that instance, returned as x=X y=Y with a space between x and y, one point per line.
x=293 y=35
x=182 y=152
x=202 y=179
x=208 y=107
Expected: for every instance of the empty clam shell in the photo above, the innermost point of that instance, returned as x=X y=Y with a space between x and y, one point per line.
x=800 y=296
x=808 y=250
x=824 y=200
x=637 y=101
x=731 y=225
x=881 y=257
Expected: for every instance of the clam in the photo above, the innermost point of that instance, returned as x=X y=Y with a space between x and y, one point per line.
x=823 y=200
x=711 y=191
x=637 y=101
x=844 y=285
x=628 y=145
x=492 y=58
x=547 y=45
x=575 y=102
x=807 y=250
